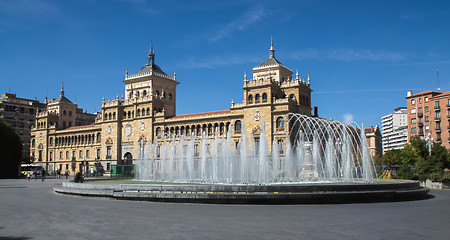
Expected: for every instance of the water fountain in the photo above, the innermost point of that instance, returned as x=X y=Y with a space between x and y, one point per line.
x=317 y=150
x=322 y=162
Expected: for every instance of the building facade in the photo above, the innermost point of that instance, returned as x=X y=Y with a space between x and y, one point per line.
x=373 y=137
x=147 y=112
x=395 y=129
x=429 y=116
x=20 y=113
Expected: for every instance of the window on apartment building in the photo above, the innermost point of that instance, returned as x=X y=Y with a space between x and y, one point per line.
x=51 y=156
x=413 y=111
x=413 y=120
x=426 y=99
x=420 y=100
x=81 y=154
x=98 y=153
x=427 y=119
x=438 y=126
x=420 y=111
x=67 y=154
x=426 y=109
x=438 y=115
x=60 y=155
x=420 y=120
x=438 y=136
x=413 y=101
x=413 y=130
x=437 y=104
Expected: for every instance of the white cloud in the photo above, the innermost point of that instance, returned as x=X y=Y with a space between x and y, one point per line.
x=348 y=118
x=348 y=54
x=240 y=23
x=218 y=61
x=36 y=8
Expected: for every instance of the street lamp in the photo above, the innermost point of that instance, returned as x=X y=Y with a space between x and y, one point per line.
x=429 y=140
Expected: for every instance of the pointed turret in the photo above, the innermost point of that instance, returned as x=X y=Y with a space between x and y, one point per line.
x=308 y=79
x=151 y=54
x=62 y=88
x=296 y=75
x=126 y=73
x=245 y=76
x=272 y=50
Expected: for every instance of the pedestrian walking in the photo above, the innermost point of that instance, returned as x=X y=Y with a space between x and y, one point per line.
x=28 y=176
x=43 y=174
x=67 y=173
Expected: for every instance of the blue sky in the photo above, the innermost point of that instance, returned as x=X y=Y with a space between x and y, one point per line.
x=362 y=56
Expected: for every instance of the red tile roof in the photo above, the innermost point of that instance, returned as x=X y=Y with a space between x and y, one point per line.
x=78 y=127
x=424 y=93
x=201 y=114
x=442 y=95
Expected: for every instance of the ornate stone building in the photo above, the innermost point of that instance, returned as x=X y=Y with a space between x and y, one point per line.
x=148 y=112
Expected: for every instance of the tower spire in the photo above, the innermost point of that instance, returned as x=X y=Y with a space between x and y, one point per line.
x=62 y=88
x=151 y=54
x=272 y=50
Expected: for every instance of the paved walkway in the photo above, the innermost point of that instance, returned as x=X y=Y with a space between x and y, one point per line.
x=31 y=210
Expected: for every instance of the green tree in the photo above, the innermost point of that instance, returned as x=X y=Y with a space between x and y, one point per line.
x=10 y=150
x=433 y=166
x=391 y=158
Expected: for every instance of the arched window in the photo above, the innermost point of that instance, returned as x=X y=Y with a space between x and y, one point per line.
x=264 y=97
x=257 y=98
x=170 y=96
x=158 y=131
x=250 y=98
x=131 y=95
x=137 y=94
x=70 y=113
x=210 y=129
x=145 y=93
x=64 y=112
x=148 y=111
x=99 y=137
x=157 y=93
x=280 y=123
x=143 y=112
x=138 y=112
x=114 y=115
x=129 y=114
x=109 y=116
x=33 y=142
x=237 y=126
x=124 y=114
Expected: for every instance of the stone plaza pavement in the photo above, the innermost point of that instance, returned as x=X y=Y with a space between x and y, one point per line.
x=31 y=210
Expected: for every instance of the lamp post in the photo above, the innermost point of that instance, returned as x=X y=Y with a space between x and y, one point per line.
x=429 y=140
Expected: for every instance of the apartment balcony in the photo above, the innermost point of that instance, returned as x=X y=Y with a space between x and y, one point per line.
x=437 y=119
x=420 y=124
x=420 y=133
x=420 y=114
x=437 y=108
x=438 y=129
x=439 y=140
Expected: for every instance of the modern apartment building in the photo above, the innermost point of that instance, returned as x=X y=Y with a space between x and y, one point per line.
x=395 y=129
